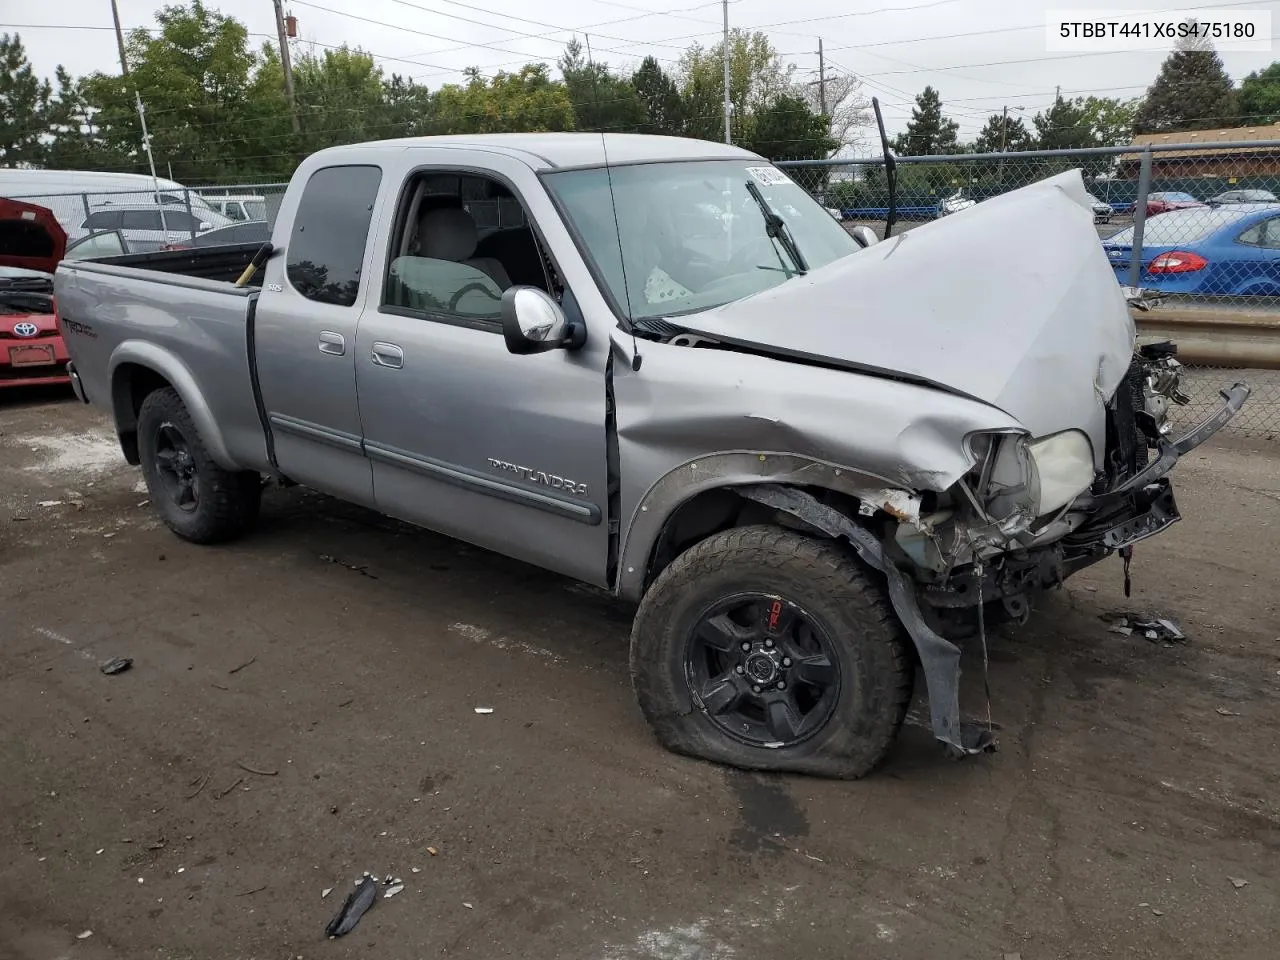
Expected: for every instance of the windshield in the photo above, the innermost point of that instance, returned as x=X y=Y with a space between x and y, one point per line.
x=693 y=237
x=257 y=209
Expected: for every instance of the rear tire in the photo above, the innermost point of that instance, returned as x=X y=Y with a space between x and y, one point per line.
x=758 y=615
x=197 y=499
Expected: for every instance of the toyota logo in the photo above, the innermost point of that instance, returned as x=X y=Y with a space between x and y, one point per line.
x=25 y=329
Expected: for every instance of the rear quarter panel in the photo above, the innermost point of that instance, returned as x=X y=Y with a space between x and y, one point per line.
x=191 y=332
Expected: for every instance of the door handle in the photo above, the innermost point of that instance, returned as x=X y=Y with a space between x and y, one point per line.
x=387 y=355
x=332 y=343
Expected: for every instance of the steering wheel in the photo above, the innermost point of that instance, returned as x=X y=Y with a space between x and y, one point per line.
x=473 y=287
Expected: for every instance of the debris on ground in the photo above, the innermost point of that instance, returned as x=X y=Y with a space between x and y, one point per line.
x=259 y=772
x=85 y=935
x=467 y=905
x=50 y=503
x=325 y=892
x=432 y=850
x=362 y=569
x=392 y=890
x=249 y=662
x=1224 y=712
x=484 y=709
x=1155 y=629
x=1238 y=883
x=116 y=665
x=416 y=869
x=354 y=907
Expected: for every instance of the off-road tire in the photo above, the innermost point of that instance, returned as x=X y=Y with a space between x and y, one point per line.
x=876 y=671
x=228 y=501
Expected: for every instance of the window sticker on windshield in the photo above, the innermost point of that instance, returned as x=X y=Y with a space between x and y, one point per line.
x=768 y=175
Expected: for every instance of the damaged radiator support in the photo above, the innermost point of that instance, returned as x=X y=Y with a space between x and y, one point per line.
x=939 y=657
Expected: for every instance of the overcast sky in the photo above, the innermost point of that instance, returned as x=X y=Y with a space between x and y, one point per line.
x=980 y=54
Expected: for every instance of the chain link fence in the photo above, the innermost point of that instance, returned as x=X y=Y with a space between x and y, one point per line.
x=167 y=219
x=1200 y=223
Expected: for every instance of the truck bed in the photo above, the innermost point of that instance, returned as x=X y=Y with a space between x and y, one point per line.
x=224 y=263
x=177 y=316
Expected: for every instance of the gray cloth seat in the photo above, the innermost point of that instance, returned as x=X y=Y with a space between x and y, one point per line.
x=450 y=234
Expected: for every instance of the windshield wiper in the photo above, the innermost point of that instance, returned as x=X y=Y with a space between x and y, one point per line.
x=777 y=229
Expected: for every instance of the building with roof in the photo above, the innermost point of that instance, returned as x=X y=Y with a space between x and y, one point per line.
x=1194 y=154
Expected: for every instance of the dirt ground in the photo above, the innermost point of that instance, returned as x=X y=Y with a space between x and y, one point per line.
x=302 y=708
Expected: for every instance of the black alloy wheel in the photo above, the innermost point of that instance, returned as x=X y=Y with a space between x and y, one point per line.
x=766 y=672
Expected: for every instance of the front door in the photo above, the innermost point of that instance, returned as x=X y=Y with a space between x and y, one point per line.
x=305 y=333
x=507 y=452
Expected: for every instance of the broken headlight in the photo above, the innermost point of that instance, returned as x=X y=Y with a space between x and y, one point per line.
x=1064 y=466
x=1017 y=476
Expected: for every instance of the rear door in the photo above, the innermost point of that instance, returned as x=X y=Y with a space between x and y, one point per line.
x=305 y=330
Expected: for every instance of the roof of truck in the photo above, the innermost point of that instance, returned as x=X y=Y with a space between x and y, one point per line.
x=571 y=149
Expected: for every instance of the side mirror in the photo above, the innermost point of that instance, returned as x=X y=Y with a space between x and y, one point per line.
x=864 y=236
x=532 y=322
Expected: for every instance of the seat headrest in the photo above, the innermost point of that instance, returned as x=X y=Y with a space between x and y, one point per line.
x=447 y=234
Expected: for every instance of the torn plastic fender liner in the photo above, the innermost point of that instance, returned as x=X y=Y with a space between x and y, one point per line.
x=940 y=657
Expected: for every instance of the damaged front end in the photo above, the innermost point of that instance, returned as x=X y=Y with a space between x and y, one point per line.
x=1032 y=512
x=1029 y=514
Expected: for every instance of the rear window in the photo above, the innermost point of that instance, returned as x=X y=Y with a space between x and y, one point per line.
x=1178 y=226
x=141 y=220
x=330 y=231
x=103 y=220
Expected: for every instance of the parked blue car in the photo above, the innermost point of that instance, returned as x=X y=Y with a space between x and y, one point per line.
x=1230 y=251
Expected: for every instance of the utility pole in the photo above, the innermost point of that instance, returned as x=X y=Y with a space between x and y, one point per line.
x=285 y=62
x=728 y=107
x=1004 y=128
x=151 y=160
x=124 y=62
x=822 y=80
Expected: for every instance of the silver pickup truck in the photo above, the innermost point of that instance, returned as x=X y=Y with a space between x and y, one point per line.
x=659 y=367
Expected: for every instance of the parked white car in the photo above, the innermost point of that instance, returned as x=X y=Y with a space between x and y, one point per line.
x=240 y=207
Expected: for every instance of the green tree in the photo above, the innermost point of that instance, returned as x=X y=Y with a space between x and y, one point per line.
x=1063 y=126
x=601 y=100
x=1002 y=132
x=664 y=108
x=24 y=106
x=787 y=129
x=1191 y=92
x=340 y=98
x=194 y=77
x=71 y=140
x=527 y=100
x=1109 y=119
x=757 y=77
x=1260 y=96
x=928 y=131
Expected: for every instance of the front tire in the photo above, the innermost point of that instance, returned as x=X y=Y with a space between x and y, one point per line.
x=764 y=649
x=197 y=499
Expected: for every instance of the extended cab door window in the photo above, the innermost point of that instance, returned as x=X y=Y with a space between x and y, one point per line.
x=326 y=249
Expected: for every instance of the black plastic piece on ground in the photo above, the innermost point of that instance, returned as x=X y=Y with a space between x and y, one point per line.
x=117 y=665
x=357 y=904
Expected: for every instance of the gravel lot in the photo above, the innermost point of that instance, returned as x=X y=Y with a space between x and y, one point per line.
x=301 y=708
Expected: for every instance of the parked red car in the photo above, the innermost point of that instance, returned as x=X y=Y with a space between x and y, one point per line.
x=31 y=346
x=1164 y=202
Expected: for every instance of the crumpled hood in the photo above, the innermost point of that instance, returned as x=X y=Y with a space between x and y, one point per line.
x=1011 y=302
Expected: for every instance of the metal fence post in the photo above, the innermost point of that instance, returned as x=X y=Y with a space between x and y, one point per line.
x=1140 y=219
x=84 y=199
x=191 y=220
